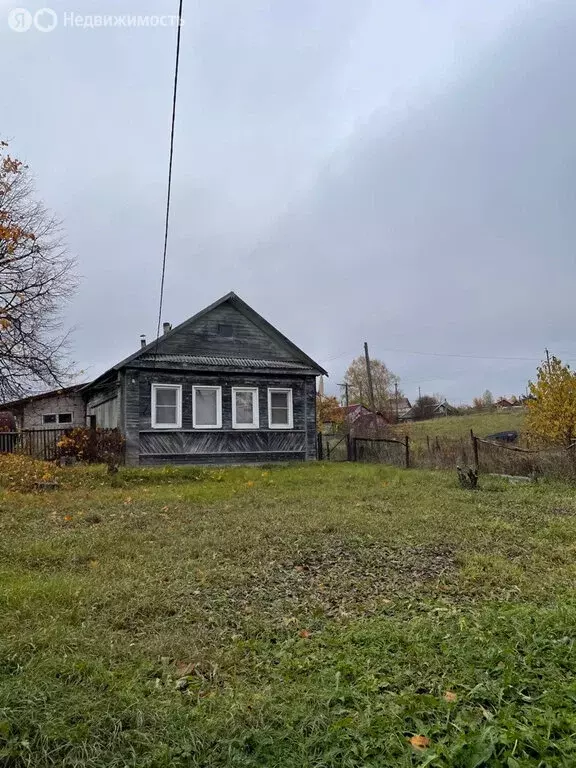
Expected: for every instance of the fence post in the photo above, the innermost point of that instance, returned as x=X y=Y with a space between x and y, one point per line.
x=407 y=451
x=319 y=452
x=474 y=441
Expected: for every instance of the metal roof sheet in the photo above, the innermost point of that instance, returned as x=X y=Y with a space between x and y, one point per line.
x=236 y=362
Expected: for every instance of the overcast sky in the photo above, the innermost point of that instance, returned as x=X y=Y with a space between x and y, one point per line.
x=395 y=172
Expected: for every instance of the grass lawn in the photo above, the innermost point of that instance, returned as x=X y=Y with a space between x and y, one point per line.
x=314 y=615
x=483 y=424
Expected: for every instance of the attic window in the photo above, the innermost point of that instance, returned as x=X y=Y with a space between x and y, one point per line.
x=225 y=329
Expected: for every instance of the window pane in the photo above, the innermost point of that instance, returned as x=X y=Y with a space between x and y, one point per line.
x=49 y=418
x=279 y=415
x=244 y=407
x=166 y=414
x=166 y=396
x=65 y=418
x=279 y=399
x=206 y=406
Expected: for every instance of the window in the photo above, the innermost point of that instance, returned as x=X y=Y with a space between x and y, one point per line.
x=280 y=409
x=49 y=418
x=224 y=329
x=207 y=407
x=245 y=408
x=64 y=418
x=166 y=406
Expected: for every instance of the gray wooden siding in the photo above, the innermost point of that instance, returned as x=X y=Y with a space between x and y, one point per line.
x=219 y=442
x=248 y=340
x=145 y=445
x=104 y=403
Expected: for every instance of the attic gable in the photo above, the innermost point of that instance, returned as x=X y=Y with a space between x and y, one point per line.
x=227 y=328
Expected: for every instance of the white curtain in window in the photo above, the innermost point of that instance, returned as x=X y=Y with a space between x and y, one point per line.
x=206 y=406
x=244 y=407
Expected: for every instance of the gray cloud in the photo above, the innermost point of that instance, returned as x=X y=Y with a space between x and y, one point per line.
x=354 y=170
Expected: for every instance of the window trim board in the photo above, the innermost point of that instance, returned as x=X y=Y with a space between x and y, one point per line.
x=218 y=390
x=255 y=410
x=157 y=424
x=287 y=390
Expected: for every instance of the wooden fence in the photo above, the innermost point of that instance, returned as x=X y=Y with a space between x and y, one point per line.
x=38 y=443
x=486 y=456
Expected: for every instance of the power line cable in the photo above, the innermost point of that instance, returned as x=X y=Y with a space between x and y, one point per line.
x=170 y=163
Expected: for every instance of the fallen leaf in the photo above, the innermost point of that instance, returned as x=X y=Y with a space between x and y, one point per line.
x=93 y=563
x=304 y=633
x=68 y=518
x=165 y=509
x=450 y=696
x=250 y=483
x=185 y=668
x=420 y=742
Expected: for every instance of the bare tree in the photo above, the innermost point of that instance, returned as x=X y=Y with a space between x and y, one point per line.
x=36 y=279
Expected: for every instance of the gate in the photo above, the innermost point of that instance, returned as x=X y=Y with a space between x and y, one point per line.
x=334 y=447
x=383 y=450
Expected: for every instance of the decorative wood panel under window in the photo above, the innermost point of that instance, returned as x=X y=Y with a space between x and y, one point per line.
x=280 y=411
x=166 y=406
x=245 y=408
x=206 y=407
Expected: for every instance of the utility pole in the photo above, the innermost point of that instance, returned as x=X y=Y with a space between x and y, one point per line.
x=396 y=398
x=371 y=388
x=346 y=399
x=547 y=359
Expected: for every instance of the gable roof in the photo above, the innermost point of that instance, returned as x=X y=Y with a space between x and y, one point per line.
x=148 y=352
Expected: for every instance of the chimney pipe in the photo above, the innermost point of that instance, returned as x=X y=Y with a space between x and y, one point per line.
x=167 y=327
x=142 y=340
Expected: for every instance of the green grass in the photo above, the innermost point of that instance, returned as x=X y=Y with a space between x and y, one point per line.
x=317 y=615
x=483 y=424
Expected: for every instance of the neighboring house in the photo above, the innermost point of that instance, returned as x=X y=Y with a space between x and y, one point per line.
x=441 y=409
x=357 y=420
x=503 y=403
x=399 y=406
x=224 y=387
x=444 y=409
x=52 y=410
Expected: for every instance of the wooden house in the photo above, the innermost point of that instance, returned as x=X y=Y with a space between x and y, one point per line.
x=224 y=387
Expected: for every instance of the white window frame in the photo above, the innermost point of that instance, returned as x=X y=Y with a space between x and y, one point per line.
x=284 y=390
x=49 y=423
x=255 y=412
x=218 y=391
x=159 y=425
